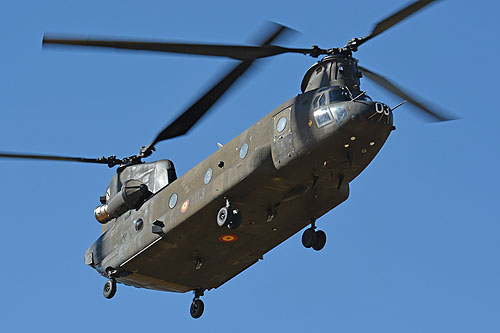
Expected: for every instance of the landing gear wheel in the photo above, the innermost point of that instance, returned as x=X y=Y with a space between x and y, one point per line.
x=308 y=238
x=197 y=308
x=109 y=289
x=320 y=241
x=223 y=216
x=236 y=219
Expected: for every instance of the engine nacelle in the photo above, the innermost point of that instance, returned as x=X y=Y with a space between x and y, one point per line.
x=131 y=196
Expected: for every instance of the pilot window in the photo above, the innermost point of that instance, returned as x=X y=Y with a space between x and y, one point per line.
x=315 y=102
x=322 y=117
x=339 y=94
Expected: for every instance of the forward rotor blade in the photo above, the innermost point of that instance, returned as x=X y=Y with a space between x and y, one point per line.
x=393 y=88
x=238 y=52
x=395 y=19
x=100 y=160
x=187 y=119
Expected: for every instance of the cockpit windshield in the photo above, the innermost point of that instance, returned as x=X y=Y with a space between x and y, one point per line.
x=339 y=94
x=335 y=94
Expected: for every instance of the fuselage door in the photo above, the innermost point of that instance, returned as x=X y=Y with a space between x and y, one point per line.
x=282 y=146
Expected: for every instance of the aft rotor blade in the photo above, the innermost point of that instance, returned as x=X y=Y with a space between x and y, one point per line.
x=187 y=119
x=395 y=19
x=238 y=52
x=100 y=160
x=393 y=88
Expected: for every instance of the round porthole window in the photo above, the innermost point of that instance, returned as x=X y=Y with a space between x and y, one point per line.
x=173 y=200
x=243 y=150
x=208 y=176
x=281 y=125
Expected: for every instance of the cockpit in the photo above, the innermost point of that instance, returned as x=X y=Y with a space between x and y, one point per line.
x=325 y=107
x=339 y=94
x=332 y=95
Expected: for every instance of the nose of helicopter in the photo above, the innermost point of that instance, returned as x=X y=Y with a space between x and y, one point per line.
x=358 y=113
x=350 y=120
x=370 y=113
x=366 y=127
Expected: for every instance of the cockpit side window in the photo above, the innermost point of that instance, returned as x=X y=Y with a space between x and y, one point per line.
x=339 y=94
x=315 y=102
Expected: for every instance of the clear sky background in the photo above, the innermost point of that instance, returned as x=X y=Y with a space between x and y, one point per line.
x=414 y=249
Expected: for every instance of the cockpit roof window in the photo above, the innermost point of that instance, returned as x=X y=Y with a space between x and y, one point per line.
x=322 y=100
x=339 y=94
x=319 y=101
x=332 y=95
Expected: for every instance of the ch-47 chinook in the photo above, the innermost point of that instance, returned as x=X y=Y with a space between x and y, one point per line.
x=197 y=231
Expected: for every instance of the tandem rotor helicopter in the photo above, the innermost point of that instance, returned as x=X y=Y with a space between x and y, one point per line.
x=197 y=231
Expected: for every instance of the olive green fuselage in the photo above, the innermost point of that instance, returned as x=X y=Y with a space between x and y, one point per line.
x=296 y=176
x=283 y=173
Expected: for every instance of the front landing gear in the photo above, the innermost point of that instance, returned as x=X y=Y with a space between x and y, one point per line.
x=109 y=289
x=313 y=238
x=320 y=242
x=197 y=306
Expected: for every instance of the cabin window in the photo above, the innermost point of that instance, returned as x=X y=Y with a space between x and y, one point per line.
x=339 y=94
x=243 y=150
x=208 y=176
x=281 y=125
x=173 y=200
x=322 y=117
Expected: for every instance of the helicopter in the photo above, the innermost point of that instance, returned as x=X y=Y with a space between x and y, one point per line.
x=197 y=231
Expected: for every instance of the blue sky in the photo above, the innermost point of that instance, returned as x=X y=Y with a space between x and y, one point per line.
x=415 y=248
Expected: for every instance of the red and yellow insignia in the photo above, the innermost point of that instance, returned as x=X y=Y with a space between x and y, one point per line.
x=185 y=206
x=228 y=238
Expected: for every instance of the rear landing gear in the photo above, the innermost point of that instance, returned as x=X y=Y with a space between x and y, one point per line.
x=109 y=289
x=197 y=308
x=227 y=216
x=313 y=238
x=197 y=305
